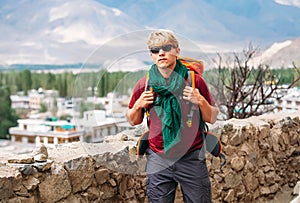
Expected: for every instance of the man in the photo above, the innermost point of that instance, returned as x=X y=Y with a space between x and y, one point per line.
x=174 y=149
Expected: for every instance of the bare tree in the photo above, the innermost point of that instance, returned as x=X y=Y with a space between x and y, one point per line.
x=243 y=90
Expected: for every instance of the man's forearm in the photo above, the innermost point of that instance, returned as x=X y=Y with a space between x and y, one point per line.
x=135 y=116
x=209 y=112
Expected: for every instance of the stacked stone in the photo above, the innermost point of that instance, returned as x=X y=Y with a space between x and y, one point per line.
x=100 y=178
x=263 y=158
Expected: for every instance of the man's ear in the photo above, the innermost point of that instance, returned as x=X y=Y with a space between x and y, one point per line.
x=177 y=51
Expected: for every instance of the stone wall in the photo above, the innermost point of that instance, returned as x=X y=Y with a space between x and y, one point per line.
x=263 y=159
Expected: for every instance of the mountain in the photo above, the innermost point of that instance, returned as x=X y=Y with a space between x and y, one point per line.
x=214 y=22
x=57 y=31
x=115 y=32
x=282 y=54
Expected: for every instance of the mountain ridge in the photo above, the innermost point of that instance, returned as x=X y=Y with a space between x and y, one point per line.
x=64 y=32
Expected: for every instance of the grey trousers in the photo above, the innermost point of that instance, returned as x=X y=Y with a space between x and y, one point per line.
x=163 y=176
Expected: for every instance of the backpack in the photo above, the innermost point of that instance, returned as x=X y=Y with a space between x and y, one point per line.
x=212 y=142
x=192 y=64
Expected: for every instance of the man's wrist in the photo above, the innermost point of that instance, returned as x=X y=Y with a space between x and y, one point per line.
x=202 y=102
x=136 y=107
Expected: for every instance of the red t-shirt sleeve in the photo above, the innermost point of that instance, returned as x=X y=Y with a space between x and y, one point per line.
x=139 y=88
x=204 y=91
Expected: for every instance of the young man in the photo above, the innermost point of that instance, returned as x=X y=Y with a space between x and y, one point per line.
x=174 y=147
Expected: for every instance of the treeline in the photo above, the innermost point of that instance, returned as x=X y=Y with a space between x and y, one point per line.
x=84 y=84
x=96 y=83
x=283 y=75
x=69 y=84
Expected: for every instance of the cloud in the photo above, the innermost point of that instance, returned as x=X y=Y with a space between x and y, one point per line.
x=295 y=3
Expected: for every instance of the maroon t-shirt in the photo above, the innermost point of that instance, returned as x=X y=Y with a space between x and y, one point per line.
x=191 y=138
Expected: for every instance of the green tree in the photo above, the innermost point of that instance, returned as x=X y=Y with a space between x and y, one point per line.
x=26 y=80
x=69 y=82
x=102 y=84
x=8 y=117
x=43 y=108
x=50 y=78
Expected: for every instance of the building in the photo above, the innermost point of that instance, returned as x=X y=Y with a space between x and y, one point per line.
x=94 y=126
x=48 y=132
x=97 y=125
x=290 y=101
x=19 y=102
x=35 y=99
x=68 y=106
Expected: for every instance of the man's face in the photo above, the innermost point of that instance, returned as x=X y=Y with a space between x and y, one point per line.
x=164 y=55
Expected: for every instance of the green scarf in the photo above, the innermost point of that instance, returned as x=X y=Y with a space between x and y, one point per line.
x=167 y=104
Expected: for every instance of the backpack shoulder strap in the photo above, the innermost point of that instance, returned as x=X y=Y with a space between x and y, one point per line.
x=191 y=78
x=191 y=83
x=147 y=87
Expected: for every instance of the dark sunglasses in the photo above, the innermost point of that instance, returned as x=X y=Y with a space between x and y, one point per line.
x=166 y=47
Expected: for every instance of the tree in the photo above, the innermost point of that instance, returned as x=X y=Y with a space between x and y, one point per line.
x=43 y=108
x=26 y=80
x=102 y=84
x=8 y=117
x=243 y=90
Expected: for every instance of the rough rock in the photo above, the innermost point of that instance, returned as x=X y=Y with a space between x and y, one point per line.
x=40 y=158
x=55 y=186
x=80 y=172
x=102 y=176
x=263 y=159
x=237 y=163
x=42 y=149
x=21 y=159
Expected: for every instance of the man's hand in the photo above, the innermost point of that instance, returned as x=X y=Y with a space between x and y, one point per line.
x=209 y=112
x=135 y=114
x=193 y=95
x=146 y=98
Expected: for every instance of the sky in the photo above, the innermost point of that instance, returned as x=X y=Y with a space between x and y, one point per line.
x=289 y=2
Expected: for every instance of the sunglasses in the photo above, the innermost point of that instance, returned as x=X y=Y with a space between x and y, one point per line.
x=166 y=47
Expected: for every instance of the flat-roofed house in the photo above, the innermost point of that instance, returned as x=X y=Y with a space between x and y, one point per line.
x=45 y=131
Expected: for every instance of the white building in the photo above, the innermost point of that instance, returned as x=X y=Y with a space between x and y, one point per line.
x=46 y=132
x=19 y=102
x=69 y=106
x=290 y=101
x=97 y=125
x=34 y=99
x=114 y=105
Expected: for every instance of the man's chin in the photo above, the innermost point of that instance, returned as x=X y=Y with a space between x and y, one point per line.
x=163 y=67
x=163 y=64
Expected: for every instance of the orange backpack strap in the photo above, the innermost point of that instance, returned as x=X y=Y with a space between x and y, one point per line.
x=191 y=78
x=191 y=83
x=146 y=89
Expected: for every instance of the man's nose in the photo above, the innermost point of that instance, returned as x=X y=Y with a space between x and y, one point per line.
x=161 y=52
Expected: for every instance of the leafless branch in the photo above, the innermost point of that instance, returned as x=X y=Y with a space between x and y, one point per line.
x=246 y=91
